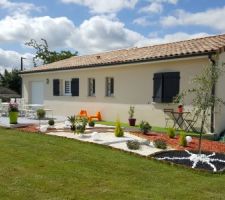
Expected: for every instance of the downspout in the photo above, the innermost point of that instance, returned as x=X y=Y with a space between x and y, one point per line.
x=213 y=92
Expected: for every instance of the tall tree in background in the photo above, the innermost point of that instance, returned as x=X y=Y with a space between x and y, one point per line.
x=43 y=53
x=11 y=80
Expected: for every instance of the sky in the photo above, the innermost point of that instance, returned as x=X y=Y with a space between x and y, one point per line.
x=92 y=26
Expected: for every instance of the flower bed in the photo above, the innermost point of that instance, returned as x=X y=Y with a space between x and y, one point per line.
x=214 y=162
x=31 y=128
x=207 y=145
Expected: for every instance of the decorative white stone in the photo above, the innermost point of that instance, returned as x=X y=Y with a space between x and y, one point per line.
x=196 y=158
x=95 y=136
x=188 y=139
x=43 y=129
x=67 y=124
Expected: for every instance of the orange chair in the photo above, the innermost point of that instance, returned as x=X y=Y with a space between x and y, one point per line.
x=98 y=116
x=83 y=113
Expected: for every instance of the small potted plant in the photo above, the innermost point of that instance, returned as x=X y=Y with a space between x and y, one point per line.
x=81 y=123
x=41 y=115
x=51 y=124
x=91 y=123
x=180 y=108
x=131 y=119
x=72 y=121
x=13 y=113
x=145 y=127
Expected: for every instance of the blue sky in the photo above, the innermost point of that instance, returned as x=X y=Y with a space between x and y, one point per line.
x=91 y=26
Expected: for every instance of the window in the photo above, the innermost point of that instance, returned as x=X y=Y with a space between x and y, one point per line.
x=109 y=86
x=67 y=88
x=91 y=87
x=166 y=86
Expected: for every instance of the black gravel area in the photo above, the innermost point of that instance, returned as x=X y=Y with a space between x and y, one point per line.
x=220 y=166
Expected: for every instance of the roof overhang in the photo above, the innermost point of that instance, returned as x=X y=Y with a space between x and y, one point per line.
x=119 y=64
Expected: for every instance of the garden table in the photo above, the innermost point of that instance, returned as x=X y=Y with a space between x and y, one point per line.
x=32 y=108
x=180 y=119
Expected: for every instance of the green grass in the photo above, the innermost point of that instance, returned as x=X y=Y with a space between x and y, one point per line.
x=35 y=166
x=157 y=129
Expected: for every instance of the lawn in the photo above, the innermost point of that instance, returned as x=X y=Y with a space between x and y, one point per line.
x=35 y=166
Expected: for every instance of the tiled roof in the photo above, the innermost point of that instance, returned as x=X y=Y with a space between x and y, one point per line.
x=193 y=47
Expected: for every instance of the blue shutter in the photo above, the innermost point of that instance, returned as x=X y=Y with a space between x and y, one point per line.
x=75 y=87
x=157 y=87
x=56 y=90
x=171 y=86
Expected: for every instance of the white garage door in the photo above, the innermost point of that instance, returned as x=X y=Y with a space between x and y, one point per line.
x=37 y=90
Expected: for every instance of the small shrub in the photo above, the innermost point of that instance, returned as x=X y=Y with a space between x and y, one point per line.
x=131 y=112
x=133 y=144
x=118 y=130
x=182 y=139
x=51 y=122
x=160 y=144
x=145 y=127
x=72 y=120
x=171 y=132
x=41 y=113
x=80 y=129
x=91 y=123
x=80 y=124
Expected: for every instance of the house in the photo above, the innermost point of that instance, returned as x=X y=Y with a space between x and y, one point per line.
x=147 y=77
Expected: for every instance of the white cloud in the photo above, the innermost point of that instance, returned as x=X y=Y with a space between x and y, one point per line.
x=11 y=59
x=93 y=35
x=21 y=28
x=213 y=18
x=152 y=8
x=104 y=6
x=100 y=33
x=156 y=6
x=178 y=36
x=18 y=7
x=165 y=1
x=142 y=21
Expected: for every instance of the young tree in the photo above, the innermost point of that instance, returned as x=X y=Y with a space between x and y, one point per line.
x=11 y=80
x=43 y=53
x=203 y=99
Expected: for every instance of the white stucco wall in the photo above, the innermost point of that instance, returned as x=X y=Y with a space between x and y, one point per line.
x=133 y=86
x=220 y=92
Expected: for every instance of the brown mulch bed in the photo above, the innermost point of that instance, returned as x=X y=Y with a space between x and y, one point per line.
x=207 y=145
x=31 y=128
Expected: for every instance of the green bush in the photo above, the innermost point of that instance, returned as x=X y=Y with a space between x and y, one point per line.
x=171 y=132
x=80 y=124
x=72 y=120
x=182 y=140
x=118 y=130
x=41 y=113
x=145 y=127
x=133 y=144
x=91 y=123
x=131 y=112
x=51 y=122
x=160 y=144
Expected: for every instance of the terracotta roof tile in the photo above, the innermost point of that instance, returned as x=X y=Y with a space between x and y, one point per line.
x=163 y=51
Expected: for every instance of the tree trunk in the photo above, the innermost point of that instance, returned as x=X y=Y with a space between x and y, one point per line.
x=201 y=131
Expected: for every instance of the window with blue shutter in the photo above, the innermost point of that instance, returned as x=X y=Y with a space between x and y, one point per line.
x=75 y=87
x=166 y=86
x=56 y=87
